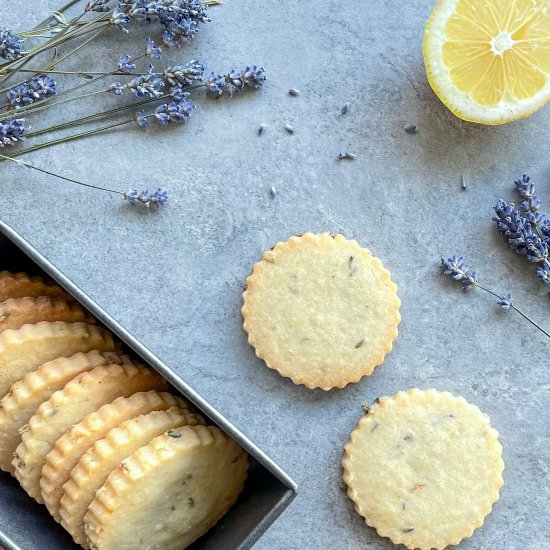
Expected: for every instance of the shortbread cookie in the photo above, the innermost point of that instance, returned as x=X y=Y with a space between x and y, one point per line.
x=168 y=493
x=79 y=438
x=16 y=312
x=97 y=463
x=36 y=387
x=321 y=310
x=25 y=349
x=19 y=285
x=423 y=468
x=84 y=394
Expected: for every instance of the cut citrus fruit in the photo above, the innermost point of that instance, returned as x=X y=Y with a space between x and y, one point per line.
x=489 y=60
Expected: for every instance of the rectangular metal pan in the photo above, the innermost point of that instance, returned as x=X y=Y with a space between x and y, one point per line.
x=25 y=525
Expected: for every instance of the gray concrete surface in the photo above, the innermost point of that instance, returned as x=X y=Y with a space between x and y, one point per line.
x=175 y=278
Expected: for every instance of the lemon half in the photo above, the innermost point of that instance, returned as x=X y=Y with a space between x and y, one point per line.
x=489 y=60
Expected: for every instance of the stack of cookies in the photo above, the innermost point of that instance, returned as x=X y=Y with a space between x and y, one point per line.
x=119 y=461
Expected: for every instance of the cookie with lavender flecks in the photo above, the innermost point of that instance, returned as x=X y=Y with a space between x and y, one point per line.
x=321 y=310
x=423 y=468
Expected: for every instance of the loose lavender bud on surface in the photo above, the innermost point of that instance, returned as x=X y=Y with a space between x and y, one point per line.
x=344 y=109
x=11 y=131
x=463 y=183
x=273 y=192
x=506 y=302
x=151 y=50
x=410 y=129
x=124 y=64
x=150 y=200
x=184 y=74
x=346 y=156
x=289 y=128
x=11 y=45
x=294 y=92
x=457 y=268
x=262 y=129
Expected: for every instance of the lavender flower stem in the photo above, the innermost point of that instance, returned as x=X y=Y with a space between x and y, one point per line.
x=68 y=138
x=27 y=165
x=52 y=43
x=487 y=290
x=517 y=309
x=96 y=116
x=531 y=321
x=85 y=43
x=51 y=64
x=66 y=100
x=48 y=102
x=62 y=9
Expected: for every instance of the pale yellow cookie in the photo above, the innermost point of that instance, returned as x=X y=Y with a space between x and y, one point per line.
x=25 y=349
x=321 y=310
x=36 y=387
x=16 y=312
x=423 y=468
x=168 y=493
x=19 y=285
x=79 y=438
x=84 y=394
x=98 y=462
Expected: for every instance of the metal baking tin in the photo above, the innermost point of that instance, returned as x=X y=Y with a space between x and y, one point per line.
x=26 y=525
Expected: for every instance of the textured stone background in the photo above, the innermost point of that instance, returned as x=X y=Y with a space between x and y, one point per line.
x=175 y=279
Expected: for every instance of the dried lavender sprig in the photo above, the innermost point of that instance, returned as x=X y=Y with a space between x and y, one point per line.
x=235 y=81
x=192 y=70
x=457 y=268
x=157 y=198
x=175 y=94
x=36 y=89
x=11 y=45
x=12 y=131
x=525 y=227
x=252 y=77
x=11 y=68
x=47 y=102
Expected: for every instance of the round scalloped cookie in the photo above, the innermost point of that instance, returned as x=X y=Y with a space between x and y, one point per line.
x=84 y=394
x=36 y=387
x=97 y=463
x=19 y=285
x=168 y=493
x=423 y=468
x=95 y=426
x=321 y=310
x=16 y=312
x=25 y=349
